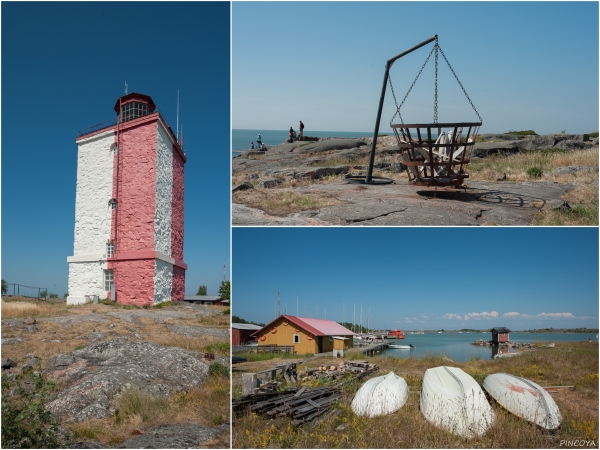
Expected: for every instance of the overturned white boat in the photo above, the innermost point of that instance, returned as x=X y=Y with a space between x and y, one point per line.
x=452 y=400
x=380 y=396
x=524 y=398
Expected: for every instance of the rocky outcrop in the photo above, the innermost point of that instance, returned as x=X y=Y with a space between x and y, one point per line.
x=94 y=376
x=506 y=144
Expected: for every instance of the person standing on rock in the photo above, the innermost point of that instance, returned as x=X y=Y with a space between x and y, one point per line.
x=259 y=141
x=301 y=130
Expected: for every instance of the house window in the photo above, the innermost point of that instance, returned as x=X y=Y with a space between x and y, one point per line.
x=330 y=338
x=296 y=339
x=108 y=279
x=110 y=249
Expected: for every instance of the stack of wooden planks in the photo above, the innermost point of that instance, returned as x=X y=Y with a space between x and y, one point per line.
x=302 y=405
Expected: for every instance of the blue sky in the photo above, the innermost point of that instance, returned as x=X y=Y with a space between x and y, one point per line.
x=427 y=278
x=64 y=65
x=525 y=65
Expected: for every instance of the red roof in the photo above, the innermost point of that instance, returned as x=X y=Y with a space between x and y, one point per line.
x=317 y=327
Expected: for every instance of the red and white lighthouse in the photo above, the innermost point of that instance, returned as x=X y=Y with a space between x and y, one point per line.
x=129 y=209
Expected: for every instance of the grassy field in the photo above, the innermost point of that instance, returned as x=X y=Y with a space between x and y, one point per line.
x=568 y=364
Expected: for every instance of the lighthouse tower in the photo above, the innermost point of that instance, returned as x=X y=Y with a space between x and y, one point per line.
x=129 y=210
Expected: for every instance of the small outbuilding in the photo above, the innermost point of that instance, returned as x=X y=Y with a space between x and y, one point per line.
x=242 y=332
x=306 y=335
x=500 y=335
x=206 y=300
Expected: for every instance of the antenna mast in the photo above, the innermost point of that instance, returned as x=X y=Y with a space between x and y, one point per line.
x=126 y=88
x=278 y=304
x=224 y=272
x=296 y=306
x=177 y=115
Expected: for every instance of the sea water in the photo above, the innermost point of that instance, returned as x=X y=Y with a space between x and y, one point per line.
x=241 y=139
x=458 y=347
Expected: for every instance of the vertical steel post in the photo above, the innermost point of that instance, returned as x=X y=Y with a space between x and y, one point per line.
x=388 y=66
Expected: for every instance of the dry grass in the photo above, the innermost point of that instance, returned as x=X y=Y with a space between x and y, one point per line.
x=208 y=406
x=18 y=308
x=281 y=202
x=516 y=166
x=570 y=363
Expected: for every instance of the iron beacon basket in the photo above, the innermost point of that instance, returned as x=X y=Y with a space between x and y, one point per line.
x=434 y=154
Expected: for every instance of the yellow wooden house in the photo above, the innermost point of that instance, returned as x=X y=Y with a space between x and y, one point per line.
x=305 y=334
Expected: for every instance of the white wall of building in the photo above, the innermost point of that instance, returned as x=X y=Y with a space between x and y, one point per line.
x=92 y=217
x=164 y=191
x=85 y=279
x=163 y=281
x=94 y=190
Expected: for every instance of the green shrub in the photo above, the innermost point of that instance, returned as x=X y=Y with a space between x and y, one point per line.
x=218 y=369
x=593 y=135
x=227 y=312
x=26 y=423
x=535 y=172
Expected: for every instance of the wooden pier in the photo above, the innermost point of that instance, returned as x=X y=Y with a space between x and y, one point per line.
x=371 y=349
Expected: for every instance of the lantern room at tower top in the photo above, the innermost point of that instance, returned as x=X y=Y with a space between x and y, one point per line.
x=128 y=242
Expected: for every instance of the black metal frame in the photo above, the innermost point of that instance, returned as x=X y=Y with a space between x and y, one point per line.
x=388 y=65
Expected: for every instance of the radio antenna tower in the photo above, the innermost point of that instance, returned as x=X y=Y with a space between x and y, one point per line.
x=126 y=88
x=278 y=303
x=224 y=272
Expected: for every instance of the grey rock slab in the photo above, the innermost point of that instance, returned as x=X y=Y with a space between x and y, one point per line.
x=567 y=170
x=245 y=215
x=400 y=204
x=133 y=315
x=189 y=330
x=10 y=341
x=242 y=187
x=68 y=321
x=94 y=376
x=185 y=435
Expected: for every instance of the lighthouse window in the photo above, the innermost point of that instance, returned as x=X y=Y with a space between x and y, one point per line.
x=134 y=110
x=108 y=279
x=112 y=203
x=110 y=249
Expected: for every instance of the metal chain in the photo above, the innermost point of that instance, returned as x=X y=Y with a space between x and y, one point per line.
x=435 y=102
x=460 y=84
x=412 y=85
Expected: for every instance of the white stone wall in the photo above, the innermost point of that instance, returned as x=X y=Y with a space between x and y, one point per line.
x=85 y=278
x=94 y=190
x=95 y=158
x=164 y=191
x=163 y=281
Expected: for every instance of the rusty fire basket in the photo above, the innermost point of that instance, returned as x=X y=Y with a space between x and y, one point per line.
x=434 y=154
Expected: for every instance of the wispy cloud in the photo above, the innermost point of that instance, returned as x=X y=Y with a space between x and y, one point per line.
x=453 y=316
x=542 y=315
x=481 y=315
x=407 y=320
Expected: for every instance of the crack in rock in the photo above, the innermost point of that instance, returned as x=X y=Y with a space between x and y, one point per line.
x=375 y=217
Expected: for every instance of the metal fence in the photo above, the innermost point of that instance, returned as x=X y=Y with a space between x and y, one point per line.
x=21 y=290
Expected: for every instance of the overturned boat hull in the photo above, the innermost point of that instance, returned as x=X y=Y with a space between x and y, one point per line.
x=452 y=400
x=380 y=396
x=524 y=398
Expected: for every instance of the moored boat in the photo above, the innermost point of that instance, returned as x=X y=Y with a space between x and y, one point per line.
x=402 y=347
x=524 y=398
x=395 y=334
x=380 y=396
x=452 y=400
